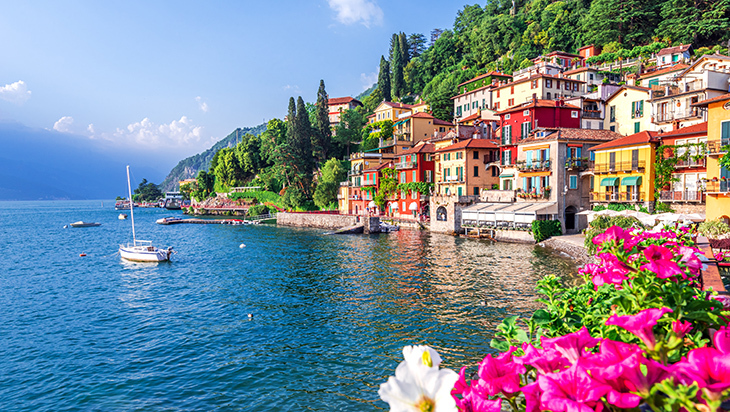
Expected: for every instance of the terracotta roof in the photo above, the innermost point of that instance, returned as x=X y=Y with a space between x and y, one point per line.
x=378 y=167
x=400 y=105
x=713 y=100
x=540 y=103
x=585 y=47
x=342 y=100
x=420 y=147
x=674 y=68
x=676 y=49
x=470 y=118
x=568 y=133
x=481 y=76
x=472 y=91
x=578 y=70
x=439 y=122
x=422 y=115
x=537 y=76
x=472 y=144
x=634 y=139
x=372 y=115
x=556 y=52
x=626 y=86
x=700 y=128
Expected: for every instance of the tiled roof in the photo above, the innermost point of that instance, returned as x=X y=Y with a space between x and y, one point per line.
x=471 y=144
x=400 y=105
x=470 y=118
x=473 y=91
x=439 y=122
x=537 y=76
x=379 y=167
x=675 y=49
x=579 y=70
x=481 y=76
x=674 y=68
x=420 y=147
x=626 y=86
x=422 y=115
x=713 y=100
x=700 y=128
x=540 y=103
x=634 y=139
x=342 y=100
x=568 y=133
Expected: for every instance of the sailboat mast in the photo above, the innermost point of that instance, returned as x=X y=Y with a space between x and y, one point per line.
x=131 y=207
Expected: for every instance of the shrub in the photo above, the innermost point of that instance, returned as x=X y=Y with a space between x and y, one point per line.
x=258 y=210
x=713 y=229
x=662 y=208
x=543 y=229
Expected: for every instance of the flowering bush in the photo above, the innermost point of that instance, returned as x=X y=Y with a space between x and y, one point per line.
x=722 y=256
x=638 y=333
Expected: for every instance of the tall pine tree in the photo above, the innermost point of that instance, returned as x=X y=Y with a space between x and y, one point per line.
x=396 y=60
x=384 y=78
x=302 y=149
x=322 y=138
x=404 y=49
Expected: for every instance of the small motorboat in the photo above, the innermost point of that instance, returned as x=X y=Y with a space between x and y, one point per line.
x=386 y=227
x=169 y=220
x=122 y=216
x=81 y=223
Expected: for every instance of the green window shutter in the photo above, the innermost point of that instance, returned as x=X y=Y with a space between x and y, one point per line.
x=725 y=132
x=573 y=182
x=633 y=110
x=641 y=108
x=637 y=127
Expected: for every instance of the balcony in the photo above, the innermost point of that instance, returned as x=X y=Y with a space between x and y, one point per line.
x=723 y=186
x=592 y=114
x=715 y=147
x=677 y=115
x=345 y=183
x=681 y=196
x=619 y=167
x=405 y=165
x=580 y=163
x=453 y=179
x=534 y=166
x=616 y=197
x=691 y=162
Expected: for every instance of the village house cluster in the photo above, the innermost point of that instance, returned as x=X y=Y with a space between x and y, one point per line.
x=553 y=140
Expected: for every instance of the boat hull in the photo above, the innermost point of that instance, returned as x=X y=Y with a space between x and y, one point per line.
x=144 y=253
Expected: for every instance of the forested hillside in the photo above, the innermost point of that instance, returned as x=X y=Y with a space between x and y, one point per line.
x=498 y=37
x=188 y=168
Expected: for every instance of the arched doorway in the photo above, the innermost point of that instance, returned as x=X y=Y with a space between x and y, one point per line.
x=441 y=213
x=570 y=212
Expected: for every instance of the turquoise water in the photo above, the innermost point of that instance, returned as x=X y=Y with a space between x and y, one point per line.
x=330 y=313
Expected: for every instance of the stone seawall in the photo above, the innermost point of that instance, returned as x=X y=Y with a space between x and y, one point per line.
x=315 y=220
x=513 y=236
x=572 y=249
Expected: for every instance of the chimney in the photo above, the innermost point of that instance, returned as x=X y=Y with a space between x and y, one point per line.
x=534 y=98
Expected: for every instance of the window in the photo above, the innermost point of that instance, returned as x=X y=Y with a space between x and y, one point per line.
x=506 y=158
x=612 y=128
x=484 y=103
x=496 y=106
x=458 y=111
x=429 y=176
x=637 y=127
x=637 y=109
x=612 y=113
x=497 y=92
x=525 y=112
x=525 y=130
x=476 y=171
x=507 y=116
x=557 y=84
x=590 y=76
x=574 y=114
x=414 y=194
x=573 y=182
x=459 y=190
x=589 y=125
x=548 y=95
x=414 y=176
x=567 y=86
x=476 y=154
x=534 y=84
x=474 y=105
x=476 y=191
x=512 y=90
x=507 y=135
x=511 y=102
x=578 y=77
x=549 y=83
x=575 y=87
x=675 y=58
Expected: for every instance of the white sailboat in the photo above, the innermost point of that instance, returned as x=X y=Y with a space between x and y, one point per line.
x=141 y=250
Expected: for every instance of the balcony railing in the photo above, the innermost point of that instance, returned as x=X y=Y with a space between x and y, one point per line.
x=681 y=196
x=619 y=167
x=684 y=88
x=346 y=183
x=691 y=162
x=616 y=197
x=592 y=114
x=405 y=165
x=533 y=166
x=578 y=163
x=722 y=186
x=678 y=115
x=718 y=146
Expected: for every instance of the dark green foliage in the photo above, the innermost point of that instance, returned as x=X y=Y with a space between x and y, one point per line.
x=397 y=85
x=348 y=132
x=423 y=188
x=383 y=80
x=695 y=21
x=543 y=229
x=258 y=210
x=328 y=186
x=294 y=198
x=147 y=192
x=322 y=138
x=416 y=44
x=619 y=207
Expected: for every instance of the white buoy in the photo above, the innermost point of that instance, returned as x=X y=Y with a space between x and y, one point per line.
x=65 y=226
x=250 y=315
x=242 y=246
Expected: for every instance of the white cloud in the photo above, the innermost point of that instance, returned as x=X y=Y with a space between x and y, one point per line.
x=293 y=88
x=90 y=128
x=63 y=124
x=366 y=12
x=369 y=79
x=201 y=104
x=16 y=93
x=176 y=134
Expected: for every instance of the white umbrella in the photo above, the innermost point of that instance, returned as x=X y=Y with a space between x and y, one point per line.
x=413 y=207
x=394 y=205
x=371 y=204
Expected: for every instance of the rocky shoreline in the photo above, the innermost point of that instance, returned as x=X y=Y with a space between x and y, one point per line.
x=571 y=248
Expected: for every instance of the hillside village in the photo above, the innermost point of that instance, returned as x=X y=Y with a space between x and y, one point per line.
x=550 y=141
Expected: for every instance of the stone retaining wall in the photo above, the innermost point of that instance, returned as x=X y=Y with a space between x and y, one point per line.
x=315 y=220
x=514 y=236
x=578 y=253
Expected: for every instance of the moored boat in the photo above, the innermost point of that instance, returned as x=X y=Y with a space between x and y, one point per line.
x=122 y=216
x=81 y=223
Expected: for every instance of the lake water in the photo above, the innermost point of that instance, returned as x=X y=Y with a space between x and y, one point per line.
x=331 y=313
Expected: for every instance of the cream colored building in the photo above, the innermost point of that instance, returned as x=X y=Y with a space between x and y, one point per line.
x=628 y=111
x=542 y=86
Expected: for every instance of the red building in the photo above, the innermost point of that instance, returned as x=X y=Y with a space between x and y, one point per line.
x=369 y=188
x=414 y=165
x=517 y=122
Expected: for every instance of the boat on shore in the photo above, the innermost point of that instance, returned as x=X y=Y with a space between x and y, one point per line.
x=141 y=250
x=121 y=205
x=81 y=223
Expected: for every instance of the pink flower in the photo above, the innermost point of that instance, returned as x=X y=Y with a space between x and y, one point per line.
x=707 y=366
x=610 y=353
x=500 y=374
x=690 y=259
x=545 y=361
x=532 y=394
x=660 y=262
x=617 y=234
x=641 y=324
x=721 y=339
x=640 y=374
x=572 y=390
x=611 y=271
x=571 y=345
x=471 y=400
x=680 y=328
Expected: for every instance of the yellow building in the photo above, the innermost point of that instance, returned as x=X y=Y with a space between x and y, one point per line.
x=628 y=111
x=392 y=111
x=623 y=170
x=717 y=204
x=463 y=168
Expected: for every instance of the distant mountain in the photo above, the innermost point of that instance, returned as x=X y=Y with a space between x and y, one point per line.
x=189 y=168
x=39 y=164
x=366 y=93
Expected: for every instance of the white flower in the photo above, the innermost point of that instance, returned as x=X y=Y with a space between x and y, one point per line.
x=419 y=385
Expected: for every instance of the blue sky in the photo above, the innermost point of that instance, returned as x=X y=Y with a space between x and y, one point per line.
x=170 y=78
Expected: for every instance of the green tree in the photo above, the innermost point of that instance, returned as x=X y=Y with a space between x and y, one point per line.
x=396 y=66
x=370 y=103
x=322 y=138
x=416 y=45
x=147 y=192
x=630 y=22
x=333 y=172
x=349 y=131
x=205 y=185
x=404 y=48
x=300 y=146
x=695 y=21
x=384 y=79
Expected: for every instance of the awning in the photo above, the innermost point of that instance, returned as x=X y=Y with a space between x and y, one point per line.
x=506 y=175
x=610 y=181
x=631 y=181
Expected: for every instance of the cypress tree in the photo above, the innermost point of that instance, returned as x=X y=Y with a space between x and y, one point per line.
x=302 y=148
x=322 y=139
x=404 y=48
x=288 y=157
x=384 y=78
x=396 y=60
